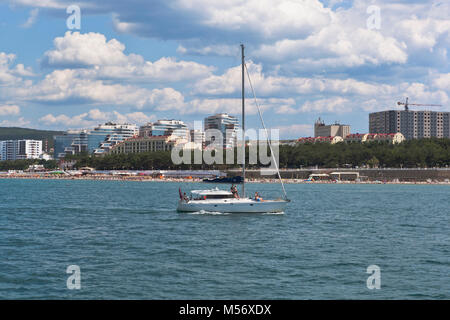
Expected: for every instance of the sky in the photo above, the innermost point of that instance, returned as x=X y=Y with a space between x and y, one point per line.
x=137 y=61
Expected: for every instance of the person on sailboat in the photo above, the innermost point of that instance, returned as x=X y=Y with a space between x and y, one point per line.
x=234 y=191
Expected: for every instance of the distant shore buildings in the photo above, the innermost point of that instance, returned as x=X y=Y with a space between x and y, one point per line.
x=198 y=137
x=412 y=124
x=336 y=133
x=328 y=139
x=227 y=125
x=145 y=144
x=165 y=128
x=390 y=126
x=392 y=138
x=331 y=130
x=161 y=135
x=97 y=141
x=20 y=149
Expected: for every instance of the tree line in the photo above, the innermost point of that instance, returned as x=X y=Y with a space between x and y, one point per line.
x=409 y=154
x=26 y=163
x=419 y=153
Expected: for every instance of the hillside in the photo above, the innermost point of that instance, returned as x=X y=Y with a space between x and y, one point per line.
x=24 y=133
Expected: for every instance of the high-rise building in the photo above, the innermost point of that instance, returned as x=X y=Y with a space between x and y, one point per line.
x=109 y=134
x=63 y=143
x=227 y=125
x=98 y=140
x=165 y=128
x=145 y=144
x=332 y=130
x=20 y=149
x=412 y=124
x=8 y=150
x=198 y=137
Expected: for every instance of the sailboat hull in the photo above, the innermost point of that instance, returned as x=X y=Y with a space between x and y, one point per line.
x=233 y=206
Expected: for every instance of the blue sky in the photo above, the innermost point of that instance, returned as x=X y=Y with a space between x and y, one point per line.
x=137 y=61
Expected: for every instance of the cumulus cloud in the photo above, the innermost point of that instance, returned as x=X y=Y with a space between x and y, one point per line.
x=331 y=48
x=212 y=50
x=234 y=106
x=330 y=105
x=20 y=122
x=295 y=130
x=66 y=86
x=443 y=82
x=94 y=117
x=420 y=93
x=99 y=58
x=269 y=25
x=269 y=19
x=230 y=82
x=292 y=35
x=9 y=73
x=169 y=19
x=9 y=110
x=90 y=49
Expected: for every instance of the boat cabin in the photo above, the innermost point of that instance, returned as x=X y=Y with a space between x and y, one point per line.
x=211 y=194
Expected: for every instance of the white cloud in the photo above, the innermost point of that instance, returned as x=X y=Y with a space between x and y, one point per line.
x=66 y=85
x=50 y=4
x=335 y=46
x=264 y=18
x=421 y=25
x=215 y=50
x=270 y=19
x=443 y=82
x=32 y=18
x=10 y=74
x=100 y=58
x=23 y=71
x=6 y=73
x=90 y=49
x=134 y=117
x=329 y=105
x=230 y=82
x=295 y=130
x=421 y=94
x=9 y=110
x=94 y=117
x=297 y=30
x=234 y=106
x=21 y=122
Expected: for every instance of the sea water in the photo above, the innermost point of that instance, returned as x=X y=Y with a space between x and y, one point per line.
x=128 y=242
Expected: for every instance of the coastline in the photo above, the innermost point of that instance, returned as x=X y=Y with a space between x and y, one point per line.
x=26 y=176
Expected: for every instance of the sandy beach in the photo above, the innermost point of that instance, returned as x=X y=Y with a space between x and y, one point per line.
x=109 y=177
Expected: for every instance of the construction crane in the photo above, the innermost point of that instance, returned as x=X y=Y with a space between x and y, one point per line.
x=407 y=104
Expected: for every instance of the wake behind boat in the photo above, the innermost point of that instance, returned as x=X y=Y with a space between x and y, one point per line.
x=215 y=200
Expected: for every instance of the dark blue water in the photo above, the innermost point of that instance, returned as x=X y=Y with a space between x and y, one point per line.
x=129 y=242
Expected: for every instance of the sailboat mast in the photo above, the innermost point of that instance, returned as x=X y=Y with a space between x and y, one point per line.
x=243 y=122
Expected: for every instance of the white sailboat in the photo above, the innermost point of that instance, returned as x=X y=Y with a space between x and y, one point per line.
x=215 y=200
